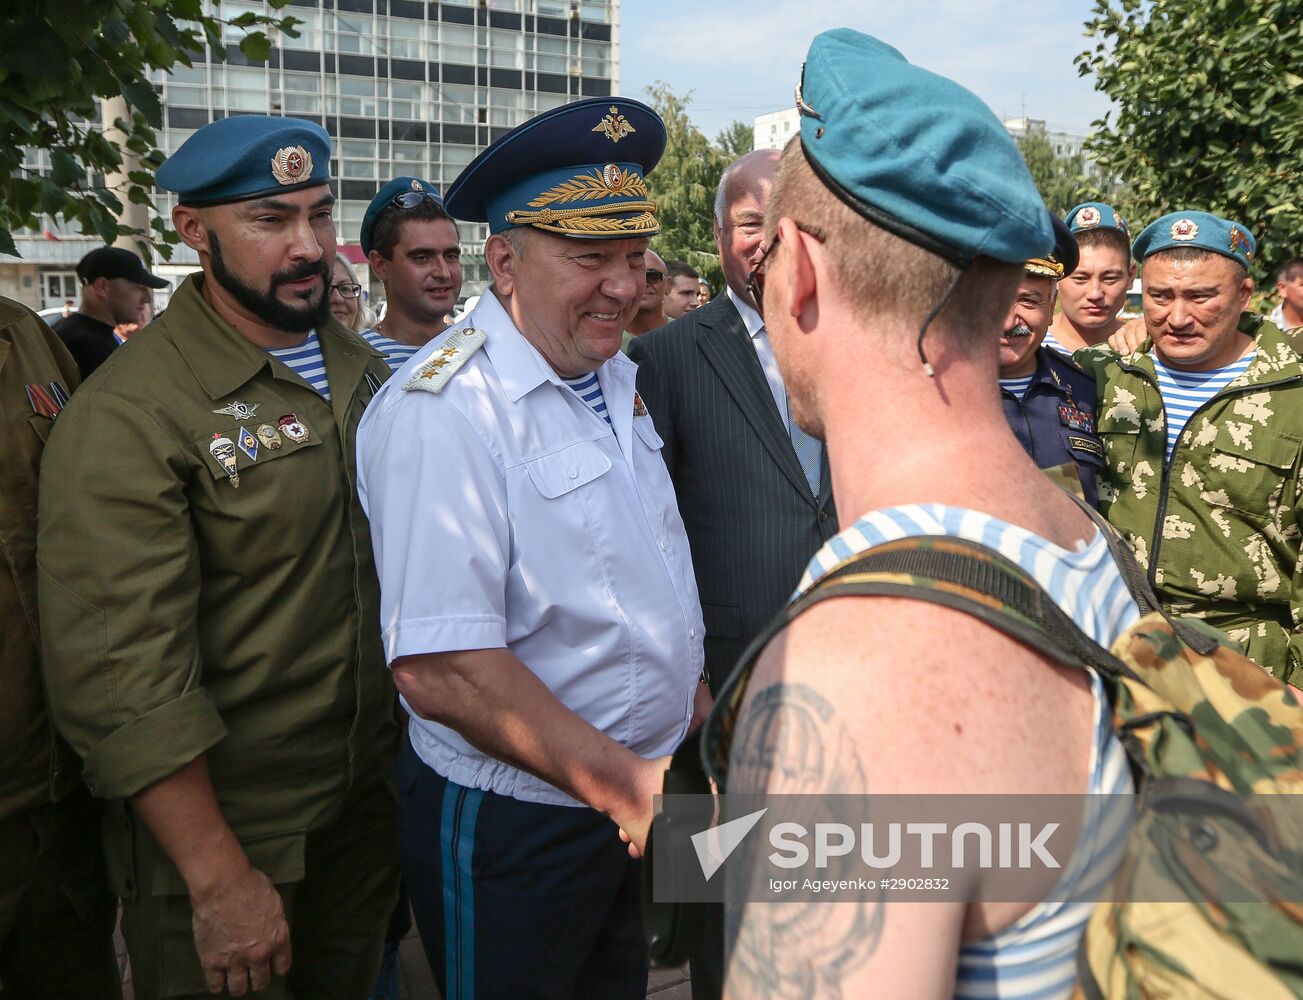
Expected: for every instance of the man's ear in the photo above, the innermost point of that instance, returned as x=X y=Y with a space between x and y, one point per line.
x=1245 y=293
x=190 y=226
x=502 y=262
x=801 y=276
x=379 y=265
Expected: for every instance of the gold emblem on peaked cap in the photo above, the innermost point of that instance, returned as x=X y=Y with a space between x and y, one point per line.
x=614 y=125
x=291 y=164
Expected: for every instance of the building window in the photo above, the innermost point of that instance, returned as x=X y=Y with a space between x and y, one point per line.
x=57 y=287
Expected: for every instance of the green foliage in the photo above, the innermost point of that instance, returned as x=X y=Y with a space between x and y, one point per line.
x=1061 y=180
x=684 y=187
x=1210 y=111
x=56 y=58
x=736 y=140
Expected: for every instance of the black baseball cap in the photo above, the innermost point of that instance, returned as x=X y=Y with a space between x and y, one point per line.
x=115 y=262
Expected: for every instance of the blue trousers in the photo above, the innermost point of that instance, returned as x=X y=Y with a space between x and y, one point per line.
x=516 y=899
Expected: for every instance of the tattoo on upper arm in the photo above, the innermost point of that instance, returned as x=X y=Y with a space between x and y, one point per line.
x=791 y=741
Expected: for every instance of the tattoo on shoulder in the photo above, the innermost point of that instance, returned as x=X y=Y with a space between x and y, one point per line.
x=791 y=741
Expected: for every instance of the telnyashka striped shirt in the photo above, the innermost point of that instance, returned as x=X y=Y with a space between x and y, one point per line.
x=1053 y=344
x=396 y=354
x=306 y=362
x=1017 y=386
x=1184 y=392
x=587 y=388
x=1035 y=957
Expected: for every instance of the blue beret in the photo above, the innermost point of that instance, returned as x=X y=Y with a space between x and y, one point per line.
x=247 y=156
x=577 y=170
x=397 y=192
x=1096 y=215
x=917 y=154
x=1201 y=230
x=1060 y=261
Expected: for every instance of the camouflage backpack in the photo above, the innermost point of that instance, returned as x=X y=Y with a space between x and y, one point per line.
x=1214 y=742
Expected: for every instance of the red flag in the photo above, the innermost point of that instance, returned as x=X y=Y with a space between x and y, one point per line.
x=50 y=236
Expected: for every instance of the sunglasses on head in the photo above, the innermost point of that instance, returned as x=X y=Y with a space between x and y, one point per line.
x=756 y=279
x=410 y=199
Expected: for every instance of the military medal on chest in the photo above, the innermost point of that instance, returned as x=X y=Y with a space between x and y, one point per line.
x=292 y=428
x=238 y=410
x=248 y=443
x=268 y=436
x=222 y=448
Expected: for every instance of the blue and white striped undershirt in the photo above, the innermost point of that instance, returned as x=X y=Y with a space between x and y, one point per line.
x=306 y=362
x=1184 y=392
x=587 y=388
x=1035 y=957
x=396 y=354
x=1018 y=386
x=1053 y=344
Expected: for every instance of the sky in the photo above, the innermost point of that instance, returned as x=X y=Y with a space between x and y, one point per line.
x=742 y=58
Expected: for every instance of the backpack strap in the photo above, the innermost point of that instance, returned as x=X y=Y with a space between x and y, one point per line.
x=952 y=572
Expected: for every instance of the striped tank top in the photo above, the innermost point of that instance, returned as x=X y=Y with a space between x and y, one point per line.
x=1184 y=392
x=1035 y=957
x=306 y=362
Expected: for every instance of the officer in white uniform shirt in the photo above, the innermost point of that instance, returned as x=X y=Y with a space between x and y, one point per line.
x=539 y=608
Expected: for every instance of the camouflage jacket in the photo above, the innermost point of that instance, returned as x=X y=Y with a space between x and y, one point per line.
x=1218 y=528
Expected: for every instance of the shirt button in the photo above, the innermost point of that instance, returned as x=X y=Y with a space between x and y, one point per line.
x=692 y=633
x=664 y=547
x=573 y=474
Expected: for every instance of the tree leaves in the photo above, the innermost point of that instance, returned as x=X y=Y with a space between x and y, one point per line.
x=56 y=58
x=1210 y=104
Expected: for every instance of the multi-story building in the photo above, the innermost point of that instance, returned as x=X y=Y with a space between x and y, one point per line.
x=402 y=86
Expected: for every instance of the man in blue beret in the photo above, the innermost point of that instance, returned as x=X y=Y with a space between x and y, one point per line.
x=898 y=229
x=1092 y=295
x=209 y=603
x=413 y=247
x=1203 y=425
x=541 y=618
x=1049 y=401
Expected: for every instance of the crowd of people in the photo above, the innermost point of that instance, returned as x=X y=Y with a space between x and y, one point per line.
x=342 y=620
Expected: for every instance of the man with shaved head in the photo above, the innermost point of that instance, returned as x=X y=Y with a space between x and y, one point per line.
x=753 y=488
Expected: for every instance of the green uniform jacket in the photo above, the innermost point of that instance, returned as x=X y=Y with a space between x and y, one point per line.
x=34 y=764
x=185 y=615
x=1219 y=527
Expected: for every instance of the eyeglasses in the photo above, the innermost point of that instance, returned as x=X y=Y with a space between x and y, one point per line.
x=410 y=199
x=655 y=277
x=756 y=279
x=347 y=290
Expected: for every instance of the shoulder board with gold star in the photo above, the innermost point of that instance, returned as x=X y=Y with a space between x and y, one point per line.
x=447 y=360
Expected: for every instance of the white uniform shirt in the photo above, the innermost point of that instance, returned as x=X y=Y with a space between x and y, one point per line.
x=505 y=512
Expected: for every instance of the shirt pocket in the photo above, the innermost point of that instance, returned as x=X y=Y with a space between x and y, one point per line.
x=1121 y=439
x=1245 y=468
x=566 y=470
x=646 y=431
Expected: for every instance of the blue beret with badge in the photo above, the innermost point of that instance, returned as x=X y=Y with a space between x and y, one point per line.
x=1096 y=215
x=400 y=193
x=578 y=170
x=916 y=153
x=1060 y=261
x=1201 y=230
x=247 y=156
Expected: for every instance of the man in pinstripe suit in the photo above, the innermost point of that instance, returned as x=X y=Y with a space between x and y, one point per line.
x=753 y=489
x=755 y=509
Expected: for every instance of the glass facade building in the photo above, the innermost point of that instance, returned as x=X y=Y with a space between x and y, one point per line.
x=403 y=87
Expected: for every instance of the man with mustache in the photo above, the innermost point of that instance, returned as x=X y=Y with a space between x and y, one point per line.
x=209 y=603
x=413 y=247
x=1048 y=401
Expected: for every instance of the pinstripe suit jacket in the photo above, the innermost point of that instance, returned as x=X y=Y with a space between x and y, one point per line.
x=752 y=522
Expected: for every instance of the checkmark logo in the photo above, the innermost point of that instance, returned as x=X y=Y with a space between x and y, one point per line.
x=713 y=846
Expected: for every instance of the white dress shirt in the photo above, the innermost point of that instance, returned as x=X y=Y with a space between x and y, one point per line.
x=765 y=352
x=505 y=512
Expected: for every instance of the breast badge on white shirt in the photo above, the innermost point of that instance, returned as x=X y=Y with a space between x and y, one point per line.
x=447 y=360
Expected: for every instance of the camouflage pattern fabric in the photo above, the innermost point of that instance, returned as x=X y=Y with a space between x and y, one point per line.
x=1209 y=899
x=1219 y=528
